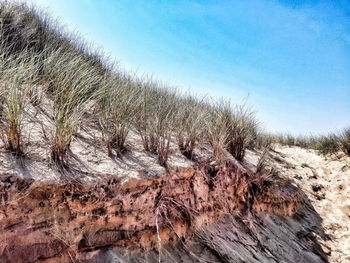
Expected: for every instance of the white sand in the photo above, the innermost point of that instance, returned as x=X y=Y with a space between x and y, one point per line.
x=326 y=181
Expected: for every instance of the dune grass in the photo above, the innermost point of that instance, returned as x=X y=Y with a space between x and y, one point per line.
x=37 y=55
x=190 y=122
x=74 y=85
x=155 y=118
x=118 y=103
x=329 y=144
x=231 y=128
x=345 y=141
x=17 y=79
x=76 y=77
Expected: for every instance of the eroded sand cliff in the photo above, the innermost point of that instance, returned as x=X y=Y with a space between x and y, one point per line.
x=204 y=213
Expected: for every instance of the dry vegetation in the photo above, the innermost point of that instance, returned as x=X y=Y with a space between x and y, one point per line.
x=332 y=143
x=39 y=59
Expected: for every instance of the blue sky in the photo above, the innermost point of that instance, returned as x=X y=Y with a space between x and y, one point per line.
x=290 y=58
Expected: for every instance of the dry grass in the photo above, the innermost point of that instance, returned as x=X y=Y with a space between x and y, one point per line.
x=76 y=77
x=190 y=120
x=155 y=119
x=73 y=83
x=118 y=104
x=231 y=128
x=332 y=143
x=17 y=77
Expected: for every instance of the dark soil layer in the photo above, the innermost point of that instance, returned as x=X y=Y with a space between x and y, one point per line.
x=199 y=214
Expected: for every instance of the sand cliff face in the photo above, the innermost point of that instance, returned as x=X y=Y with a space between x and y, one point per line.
x=223 y=214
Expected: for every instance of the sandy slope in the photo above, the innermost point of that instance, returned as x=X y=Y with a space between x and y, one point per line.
x=88 y=157
x=326 y=181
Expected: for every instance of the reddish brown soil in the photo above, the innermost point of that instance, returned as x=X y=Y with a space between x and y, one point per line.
x=221 y=214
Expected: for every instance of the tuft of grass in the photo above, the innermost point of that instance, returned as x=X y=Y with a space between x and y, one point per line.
x=329 y=144
x=73 y=87
x=17 y=78
x=231 y=128
x=217 y=131
x=345 y=141
x=155 y=119
x=262 y=141
x=189 y=124
x=242 y=131
x=118 y=104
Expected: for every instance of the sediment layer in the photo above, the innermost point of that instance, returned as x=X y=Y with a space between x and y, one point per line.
x=61 y=222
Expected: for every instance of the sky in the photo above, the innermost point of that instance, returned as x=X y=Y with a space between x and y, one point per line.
x=288 y=60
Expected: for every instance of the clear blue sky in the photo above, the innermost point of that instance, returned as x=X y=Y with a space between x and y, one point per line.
x=291 y=57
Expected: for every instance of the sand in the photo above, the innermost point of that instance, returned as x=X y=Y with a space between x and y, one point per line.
x=88 y=156
x=326 y=181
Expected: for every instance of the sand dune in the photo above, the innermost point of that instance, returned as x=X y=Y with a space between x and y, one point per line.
x=326 y=181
